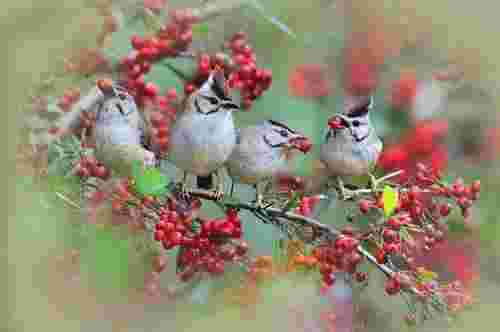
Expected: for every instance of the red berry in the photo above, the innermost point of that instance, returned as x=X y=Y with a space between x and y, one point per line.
x=159 y=235
x=364 y=206
x=389 y=235
x=137 y=42
x=394 y=223
x=392 y=286
x=476 y=186
x=189 y=88
x=101 y=172
x=116 y=205
x=82 y=171
x=151 y=89
x=445 y=209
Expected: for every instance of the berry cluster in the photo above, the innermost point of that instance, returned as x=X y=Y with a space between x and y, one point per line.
x=342 y=256
x=422 y=144
x=162 y=118
x=173 y=38
x=247 y=77
x=421 y=208
x=205 y=250
x=88 y=166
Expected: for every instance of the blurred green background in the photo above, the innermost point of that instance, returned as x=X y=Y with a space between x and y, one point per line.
x=39 y=33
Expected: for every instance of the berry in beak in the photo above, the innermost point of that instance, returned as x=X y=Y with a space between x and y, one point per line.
x=301 y=143
x=337 y=122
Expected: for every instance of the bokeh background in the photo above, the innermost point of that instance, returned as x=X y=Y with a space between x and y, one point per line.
x=43 y=293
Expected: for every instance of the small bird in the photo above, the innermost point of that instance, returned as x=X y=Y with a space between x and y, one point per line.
x=204 y=135
x=351 y=146
x=262 y=153
x=120 y=131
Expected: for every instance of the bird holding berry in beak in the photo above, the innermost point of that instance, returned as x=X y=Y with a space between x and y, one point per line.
x=351 y=146
x=120 y=132
x=204 y=135
x=262 y=153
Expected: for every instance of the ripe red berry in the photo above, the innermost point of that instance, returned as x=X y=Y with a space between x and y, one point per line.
x=364 y=206
x=159 y=235
x=151 y=89
x=392 y=286
x=101 y=172
x=445 y=209
x=476 y=186
x=189 y=88
x=389 y=235
x=116 y=205
x=137 y=42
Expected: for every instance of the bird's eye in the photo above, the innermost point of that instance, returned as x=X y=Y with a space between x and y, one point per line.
x=356 y=123
x=122 y=96
x=212 y=100
x=284 y=132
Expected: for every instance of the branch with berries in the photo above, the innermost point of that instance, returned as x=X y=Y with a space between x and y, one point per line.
x=392 y=220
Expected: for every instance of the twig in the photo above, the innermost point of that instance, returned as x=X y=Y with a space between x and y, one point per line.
x=67 y=200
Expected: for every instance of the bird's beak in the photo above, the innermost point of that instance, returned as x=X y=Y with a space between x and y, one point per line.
x=301 y=143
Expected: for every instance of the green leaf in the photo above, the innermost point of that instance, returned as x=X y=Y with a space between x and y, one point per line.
x=200 y=29
x=150 y=182
x=293 y=202
x=390 y=199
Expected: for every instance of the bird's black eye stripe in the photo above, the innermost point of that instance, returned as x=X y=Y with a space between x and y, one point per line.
x=211 y=100
x=281 y=125
x=120 y=108
x=356 y=123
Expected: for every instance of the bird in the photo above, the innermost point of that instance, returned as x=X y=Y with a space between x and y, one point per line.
x=351 y=146
x=121 y=134
x=262 y=153
x=204 y=134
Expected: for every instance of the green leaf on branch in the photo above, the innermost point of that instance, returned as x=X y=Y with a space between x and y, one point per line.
x=149 y=181
x=390 y=199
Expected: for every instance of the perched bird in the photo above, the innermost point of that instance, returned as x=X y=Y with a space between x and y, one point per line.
x=351 y=146
x=262 y=153
x=120 y=131
x=204 y=135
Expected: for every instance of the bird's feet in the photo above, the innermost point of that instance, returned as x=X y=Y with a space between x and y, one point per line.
x=218 y=194
x=183 y=192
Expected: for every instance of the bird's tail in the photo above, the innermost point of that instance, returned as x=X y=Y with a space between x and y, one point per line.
x=205 y=182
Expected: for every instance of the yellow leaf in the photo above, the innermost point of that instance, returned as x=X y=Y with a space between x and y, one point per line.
x=390 y=199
